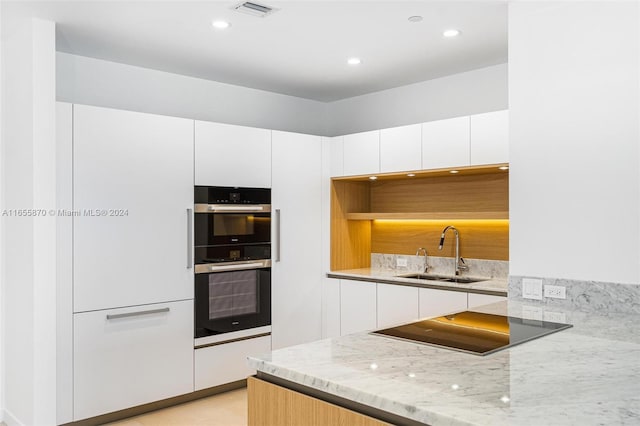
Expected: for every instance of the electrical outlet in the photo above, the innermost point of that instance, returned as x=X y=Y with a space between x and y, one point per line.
x=555 y=317
x=532 y=288
x=555 y=291
x=401 y=262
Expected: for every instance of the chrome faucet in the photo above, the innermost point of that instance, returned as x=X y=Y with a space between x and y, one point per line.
x=459 y=264
x=426 y=257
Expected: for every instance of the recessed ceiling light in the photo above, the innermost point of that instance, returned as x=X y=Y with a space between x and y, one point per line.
x=455 y=387
x=503 y=168
x=373 y=177
x=451 y=33
x=453 y=172
x=411 y=174
x=415 y=18
x=220 y=25
x=354 y=61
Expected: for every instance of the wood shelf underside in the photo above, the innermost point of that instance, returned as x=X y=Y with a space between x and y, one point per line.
x=429 y=215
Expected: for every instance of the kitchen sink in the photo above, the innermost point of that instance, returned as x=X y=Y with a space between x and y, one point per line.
x=459 y=280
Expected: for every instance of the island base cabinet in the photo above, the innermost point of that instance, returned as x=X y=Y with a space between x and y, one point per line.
x=131 y=356
x=271 y=405
x=227 y=362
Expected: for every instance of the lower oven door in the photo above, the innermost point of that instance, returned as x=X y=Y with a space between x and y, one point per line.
x=232 y=300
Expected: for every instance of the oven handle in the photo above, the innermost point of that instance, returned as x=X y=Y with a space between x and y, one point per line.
x=189 y=238
x=222 y=208
x=203 y=269
x=278 y=240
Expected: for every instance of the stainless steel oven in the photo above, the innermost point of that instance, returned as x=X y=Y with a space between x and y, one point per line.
x=232 y=235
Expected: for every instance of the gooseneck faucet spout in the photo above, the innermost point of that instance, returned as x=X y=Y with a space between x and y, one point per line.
x=459 y=264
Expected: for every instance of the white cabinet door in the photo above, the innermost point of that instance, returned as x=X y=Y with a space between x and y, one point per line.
x=475 y=299
x=131 y=356
x=331 y=308
x=490 y=138
x=445 y=143
x=357 y=306
x=400 y=148
x=227 y=155
x=138 y=170
x=435 y=302
x=362 y=153
x=296 y=255
x=336 y=156
x=227 y=362
x=397 y=304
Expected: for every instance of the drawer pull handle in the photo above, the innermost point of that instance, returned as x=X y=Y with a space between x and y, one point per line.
x=137 y=314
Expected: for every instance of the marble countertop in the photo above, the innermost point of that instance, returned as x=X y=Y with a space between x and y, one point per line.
x=495 y=286
x=586 y=375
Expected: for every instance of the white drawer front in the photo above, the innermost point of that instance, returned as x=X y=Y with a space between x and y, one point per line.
x=226 y=363
x=131 y=356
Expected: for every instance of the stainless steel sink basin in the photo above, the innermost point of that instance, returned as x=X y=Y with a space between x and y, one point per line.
x=459 y=280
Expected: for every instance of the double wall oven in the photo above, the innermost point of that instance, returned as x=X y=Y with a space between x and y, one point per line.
x=232 y=253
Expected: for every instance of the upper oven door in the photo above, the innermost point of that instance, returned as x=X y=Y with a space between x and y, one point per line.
x=229 y=224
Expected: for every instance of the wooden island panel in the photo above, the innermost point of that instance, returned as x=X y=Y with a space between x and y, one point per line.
x=273 y=405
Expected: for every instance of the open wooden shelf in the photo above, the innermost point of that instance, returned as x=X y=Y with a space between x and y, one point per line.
x=474 y=215
x=475 y=201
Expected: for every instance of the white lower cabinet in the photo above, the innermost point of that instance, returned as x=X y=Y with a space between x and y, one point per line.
x=227 y=362
x=331 y=308
x=131 y=356
x=475 y=299
x=397 y=304
x=434 y=302
x=357 y=306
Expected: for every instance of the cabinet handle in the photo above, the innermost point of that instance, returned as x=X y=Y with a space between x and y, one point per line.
x=189 y=238
x=136 y=314
x=278 y=240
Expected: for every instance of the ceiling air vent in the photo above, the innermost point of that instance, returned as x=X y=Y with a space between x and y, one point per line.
x=255 y=9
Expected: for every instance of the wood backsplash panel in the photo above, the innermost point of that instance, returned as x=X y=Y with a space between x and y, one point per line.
x=479 y=239
x=350 y=240
x=455 y=193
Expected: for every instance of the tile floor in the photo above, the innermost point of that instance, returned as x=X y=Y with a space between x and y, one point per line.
x=225 y=409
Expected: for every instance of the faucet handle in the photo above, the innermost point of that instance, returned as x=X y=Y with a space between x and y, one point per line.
x=462 y=265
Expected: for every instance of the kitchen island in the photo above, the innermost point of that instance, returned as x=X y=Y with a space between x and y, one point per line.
x=585 y=375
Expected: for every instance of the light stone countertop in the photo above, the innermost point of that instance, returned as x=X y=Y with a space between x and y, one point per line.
x=586 y=375
x=494 y=286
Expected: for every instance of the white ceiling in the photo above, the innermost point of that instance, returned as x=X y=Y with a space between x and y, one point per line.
x=301 y=50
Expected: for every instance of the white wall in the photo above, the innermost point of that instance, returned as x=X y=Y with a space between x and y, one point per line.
x=574 y=136
x=467 y=93
x=28 y=280
x=102 y=83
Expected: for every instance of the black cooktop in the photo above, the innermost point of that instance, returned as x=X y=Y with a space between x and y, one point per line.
x=473 y=332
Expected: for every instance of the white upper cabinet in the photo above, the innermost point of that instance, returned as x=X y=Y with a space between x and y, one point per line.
x=228 y=155
x=362 y=153
x=133 y=186
x=400 y=148
x=445 y=143
x=296 y=200
x=336 y=156
x=490 y=138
